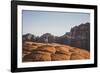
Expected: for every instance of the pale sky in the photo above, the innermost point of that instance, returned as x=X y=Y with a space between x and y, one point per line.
x=56 y=23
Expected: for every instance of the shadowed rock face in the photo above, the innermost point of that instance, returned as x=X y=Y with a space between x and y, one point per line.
x=33 y=51
x=80 y=36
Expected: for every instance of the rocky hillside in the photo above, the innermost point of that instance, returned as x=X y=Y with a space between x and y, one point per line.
x=79 y=36
x=33 y=51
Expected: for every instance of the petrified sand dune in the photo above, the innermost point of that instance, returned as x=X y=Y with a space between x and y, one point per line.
x=30 y=48
x=41 y=52
x=61 y=49
x=33 y=51
x=27 y=43
x=27 y=58
x=76 y=56
x=41 y=57
x=80 y=53
x=46 y=48
x=57 y=57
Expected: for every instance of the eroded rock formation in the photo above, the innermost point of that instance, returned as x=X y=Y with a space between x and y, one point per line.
x=33 y=51
x=80 y=36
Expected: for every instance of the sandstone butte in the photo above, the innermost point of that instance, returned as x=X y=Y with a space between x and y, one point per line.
x=33 y=51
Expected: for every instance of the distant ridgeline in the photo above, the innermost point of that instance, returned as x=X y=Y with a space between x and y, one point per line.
x=79 y=36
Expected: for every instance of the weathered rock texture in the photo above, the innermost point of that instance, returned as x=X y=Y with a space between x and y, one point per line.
x=33 y=51
x=80 y=36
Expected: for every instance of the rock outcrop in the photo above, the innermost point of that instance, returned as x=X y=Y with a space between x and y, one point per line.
x=33 y=51
x=79 y=36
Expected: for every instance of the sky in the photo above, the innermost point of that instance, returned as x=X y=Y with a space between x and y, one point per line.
x=56 y=23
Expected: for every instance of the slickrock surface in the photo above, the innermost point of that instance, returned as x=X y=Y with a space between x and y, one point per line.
x=33 y=51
